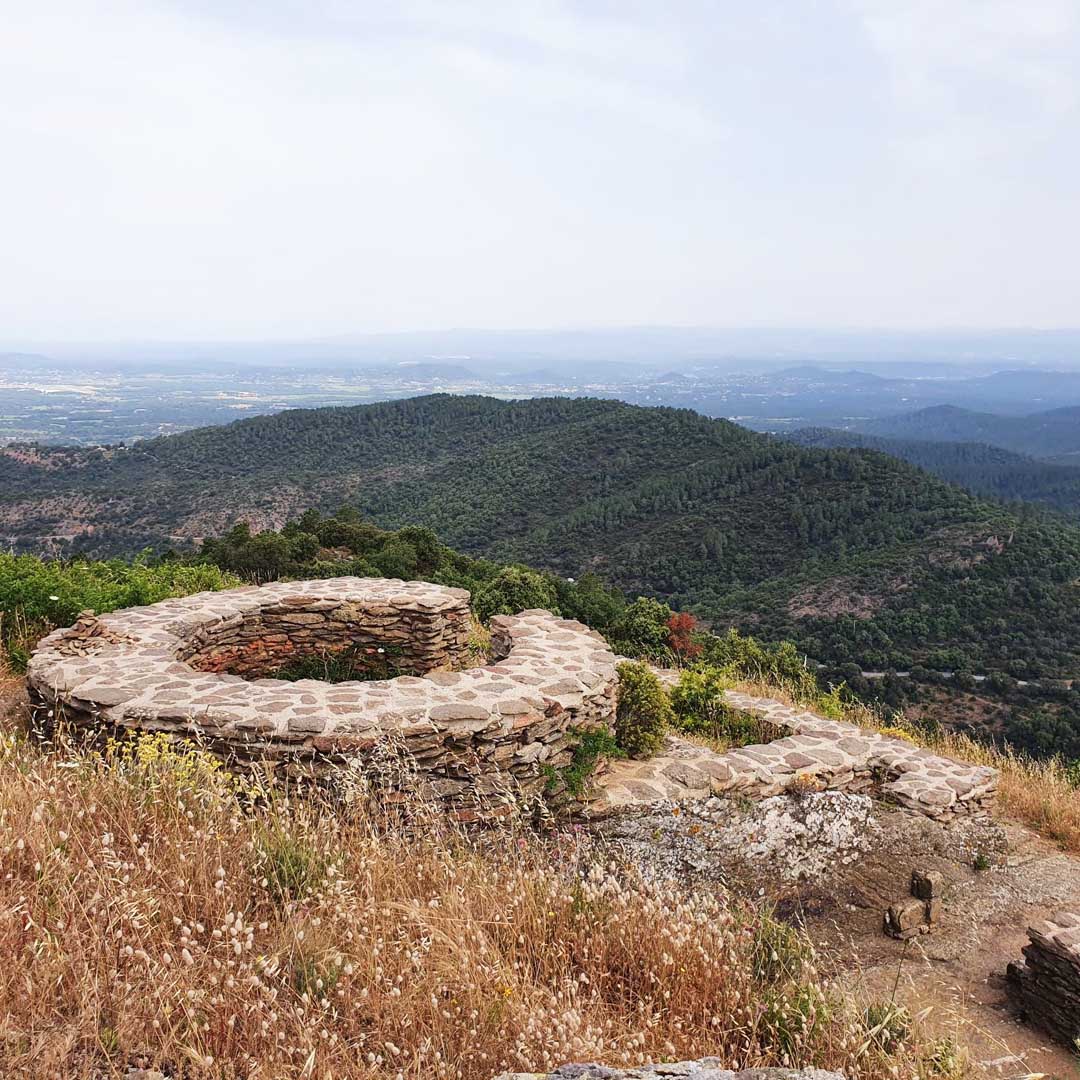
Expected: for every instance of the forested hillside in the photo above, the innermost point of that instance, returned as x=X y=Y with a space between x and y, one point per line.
x=854 y=555
x=1052 y=434
x=981 y=468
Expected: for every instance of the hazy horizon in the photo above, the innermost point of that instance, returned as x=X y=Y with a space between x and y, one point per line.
x=188 y=171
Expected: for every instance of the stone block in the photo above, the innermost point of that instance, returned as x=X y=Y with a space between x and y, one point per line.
x=927 y=884
x=906 y=919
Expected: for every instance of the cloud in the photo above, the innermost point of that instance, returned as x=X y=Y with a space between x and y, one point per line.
x=200 y=168
x=977 y=79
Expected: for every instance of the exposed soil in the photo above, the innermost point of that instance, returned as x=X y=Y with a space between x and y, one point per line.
x=955 y=972
x=830 y=599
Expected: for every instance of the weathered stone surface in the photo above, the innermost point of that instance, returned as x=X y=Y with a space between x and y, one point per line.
x=814 y=754
x=1046 y=988
x=927 y=884
x=175 y=667
x=906 y=919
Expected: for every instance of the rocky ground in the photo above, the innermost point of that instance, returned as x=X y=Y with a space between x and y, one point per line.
x=834 y=862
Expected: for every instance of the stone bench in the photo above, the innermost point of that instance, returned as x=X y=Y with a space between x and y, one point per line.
x=191 y=668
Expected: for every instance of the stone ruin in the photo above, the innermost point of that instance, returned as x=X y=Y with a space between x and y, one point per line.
x=201 y=667
x=1046 y=987
x=916 y=913
x=813 y=754
x=197 y=668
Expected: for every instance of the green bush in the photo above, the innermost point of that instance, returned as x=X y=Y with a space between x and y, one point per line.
x=36 y=595
x=779 y=665
x=592 y=745
x=644 y=712
x=699 y=708
x=642 y=629
x=697 y=700
x=514 y=589
x=290 y=867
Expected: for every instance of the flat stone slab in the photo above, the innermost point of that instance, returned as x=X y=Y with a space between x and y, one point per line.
x=818 y=754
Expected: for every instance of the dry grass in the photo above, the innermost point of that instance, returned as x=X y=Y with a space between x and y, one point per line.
x=1039 y=794
x=149 y=915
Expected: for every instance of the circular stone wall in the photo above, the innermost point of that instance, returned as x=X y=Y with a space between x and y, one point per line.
x=177 y=667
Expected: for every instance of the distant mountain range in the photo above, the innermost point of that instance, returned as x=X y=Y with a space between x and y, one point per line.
x=856 y=556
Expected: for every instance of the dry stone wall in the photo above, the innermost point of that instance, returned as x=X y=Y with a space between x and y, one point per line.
x=1046 y=988
x=196 y=668
x=418 y=629
x=815 y=753
x=475 y=737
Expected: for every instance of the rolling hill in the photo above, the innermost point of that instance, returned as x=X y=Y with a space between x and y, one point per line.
x=1052 y=434
x=979 y=467
x=856 y=556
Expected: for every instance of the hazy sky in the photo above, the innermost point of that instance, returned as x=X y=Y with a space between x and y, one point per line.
x=269 y=168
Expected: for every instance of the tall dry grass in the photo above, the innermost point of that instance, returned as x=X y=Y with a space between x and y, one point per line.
x=152 y=913
x=1042 y=795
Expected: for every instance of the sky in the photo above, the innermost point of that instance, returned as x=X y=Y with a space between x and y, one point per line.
x=219 y=170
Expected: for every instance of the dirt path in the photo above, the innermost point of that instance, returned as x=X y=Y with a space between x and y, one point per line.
x=957 y=970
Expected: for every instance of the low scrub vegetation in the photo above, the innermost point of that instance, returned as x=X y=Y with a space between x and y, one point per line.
x=700 y=709
x=156 y=912
x=644 y=712
x=37 y=595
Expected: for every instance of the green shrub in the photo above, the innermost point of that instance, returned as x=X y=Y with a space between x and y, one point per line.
x=1072 y=773
x=37 y=595
x=699 y=708
x=697 y=700
x=746 y=658
x=514 y=589
x=644 y=712
x=591 y=601
x=592 y=745
x=291 y=868
x=642 y=629
x=832 y=705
